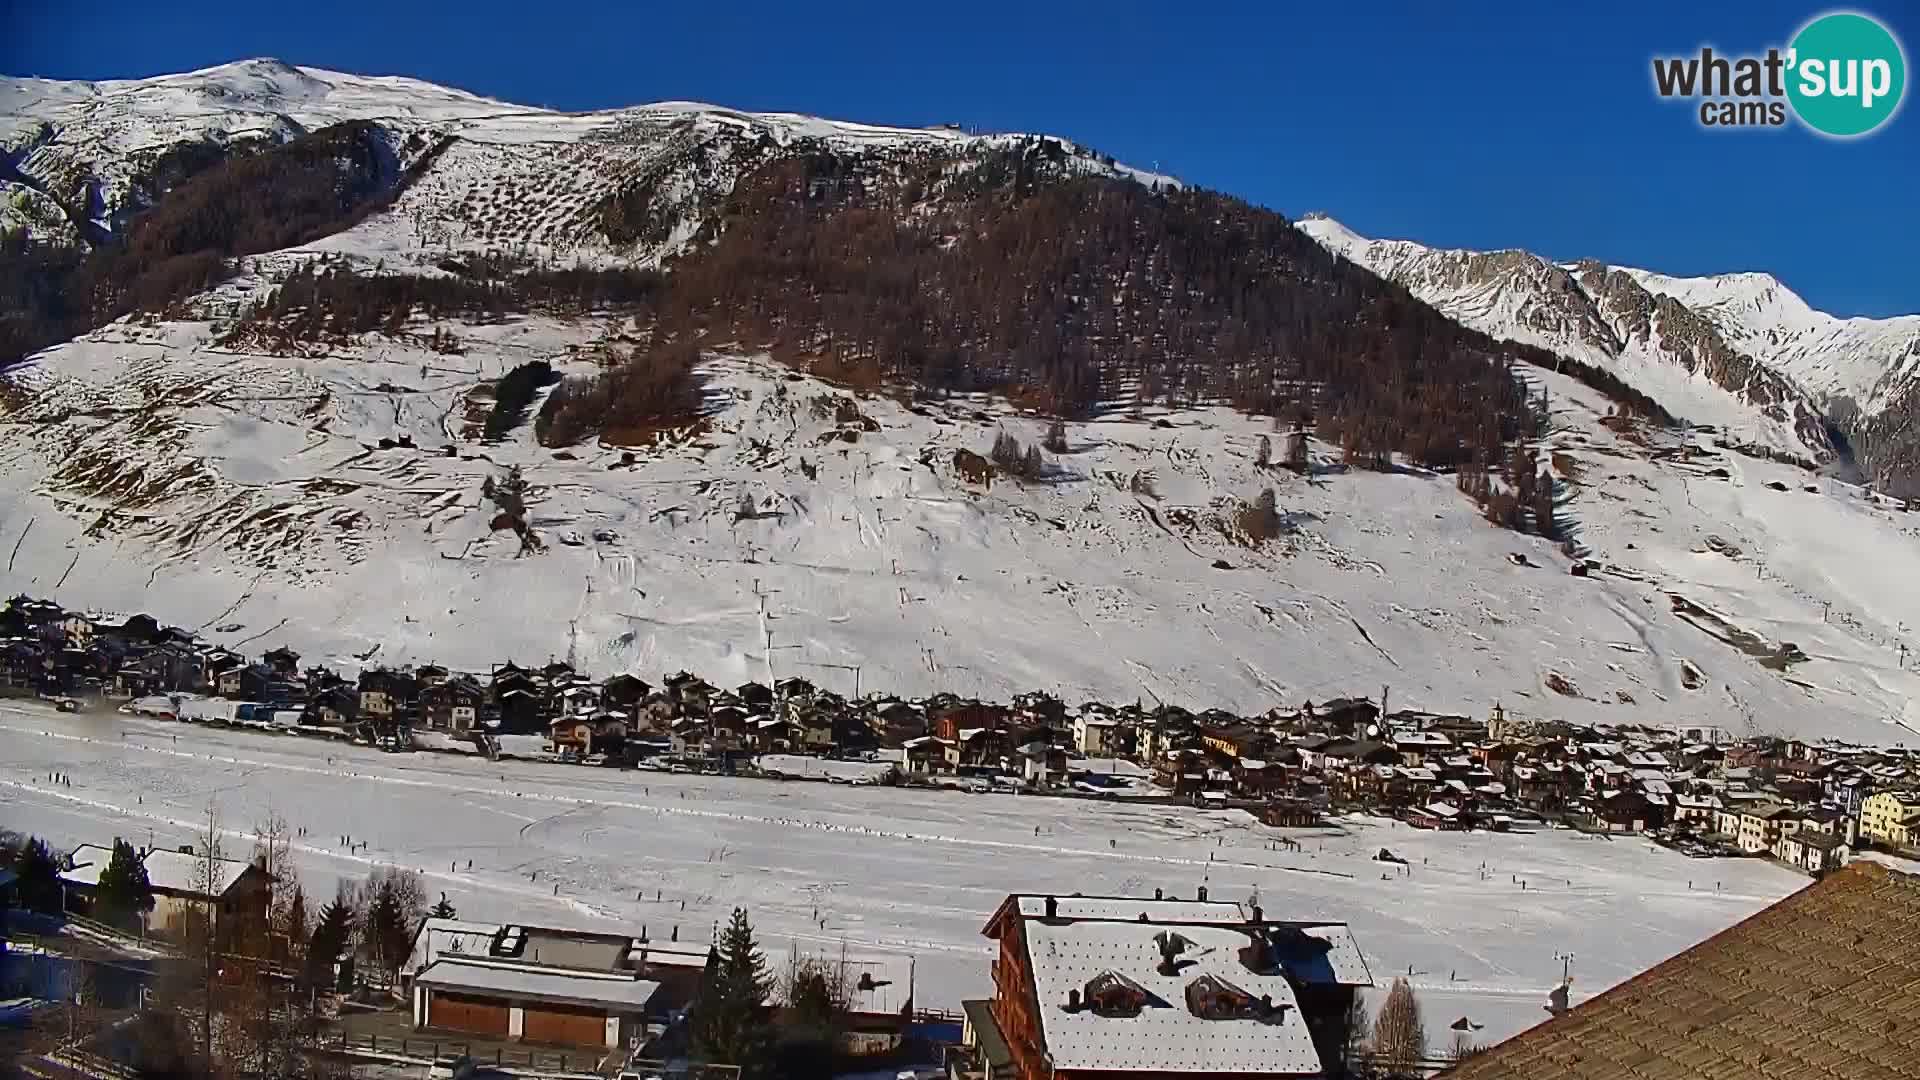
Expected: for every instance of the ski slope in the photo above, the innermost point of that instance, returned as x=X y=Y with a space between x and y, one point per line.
x=880 y=870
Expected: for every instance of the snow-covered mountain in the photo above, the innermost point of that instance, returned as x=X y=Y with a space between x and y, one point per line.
x=512 y=176
x=331 y=496
x=1741 y=351
x=1605 y=317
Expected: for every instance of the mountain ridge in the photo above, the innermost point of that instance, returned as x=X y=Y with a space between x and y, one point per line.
x=1690 y=343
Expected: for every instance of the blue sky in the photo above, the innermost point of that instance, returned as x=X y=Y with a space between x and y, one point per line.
x=1484 y=125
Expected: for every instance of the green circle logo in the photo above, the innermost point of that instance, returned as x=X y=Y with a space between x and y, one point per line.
x=1846 y=74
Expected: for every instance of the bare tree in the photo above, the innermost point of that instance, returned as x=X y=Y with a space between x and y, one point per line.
x=208 y=870
x=1399 y=1035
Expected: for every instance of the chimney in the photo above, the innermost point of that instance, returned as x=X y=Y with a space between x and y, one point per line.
x=676 y=933
x=1157 y=894
x=1203 y=894
x=1053 y=908
x=1256 y=914
x=1073 y=1001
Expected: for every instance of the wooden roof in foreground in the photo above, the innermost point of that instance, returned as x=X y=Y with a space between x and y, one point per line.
x=1824 y=984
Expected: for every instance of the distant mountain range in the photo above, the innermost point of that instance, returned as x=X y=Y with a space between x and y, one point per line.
x=1740 y=352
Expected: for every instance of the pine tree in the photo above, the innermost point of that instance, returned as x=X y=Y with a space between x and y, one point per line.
x=39 y=873
x=1032 y=467
x=1056 y=441
x=329 y=940
x=442 y=910
x=729 y=1024
x=1263 y=457
x=124 y=894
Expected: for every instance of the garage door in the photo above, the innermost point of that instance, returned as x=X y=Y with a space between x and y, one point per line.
x=564 y=1025
x=475 y=1016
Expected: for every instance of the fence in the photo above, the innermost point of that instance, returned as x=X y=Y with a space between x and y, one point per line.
x=526 y=1059
x=429 y=1049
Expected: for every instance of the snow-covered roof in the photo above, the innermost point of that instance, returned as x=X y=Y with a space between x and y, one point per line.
x=89 y=862
x=177 y=871
x=539 y=984
x=1167 y=1036
x=440 y=937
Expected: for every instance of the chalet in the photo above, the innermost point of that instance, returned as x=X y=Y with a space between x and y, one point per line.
x=452 y=705
x=1094 y=734
x=335 y=706
x=1813 y=852
x=387 y=697
x=772 y=735
x=1090 y=987
x=215 y=663
x=1042 y=764
x=689 y=692
x=533 y=984
x=930 y=754
x=982 y=749
x=689 y=738
x=583 y=734
x=188 y=889
x=283 y=662
x=1624 y=812
x=519 y=710
x=624 y=692
x=755 y=696
x=1444 y=816
x=1237 y=740
x=1256 y=778
x=1755 y=827
x=1344 y=716
x=951 y=716
x=1415 y=747
x=897 y=721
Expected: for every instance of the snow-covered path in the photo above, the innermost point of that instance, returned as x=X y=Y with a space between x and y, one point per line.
x=876 y=868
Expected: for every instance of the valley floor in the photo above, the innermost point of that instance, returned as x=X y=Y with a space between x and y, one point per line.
x=879 y=869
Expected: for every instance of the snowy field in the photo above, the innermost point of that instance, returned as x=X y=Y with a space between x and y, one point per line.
x=877 y=868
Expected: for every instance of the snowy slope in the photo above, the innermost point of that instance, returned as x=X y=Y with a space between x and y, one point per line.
x=539 y=169
x=247 y=496
x=1609 y=319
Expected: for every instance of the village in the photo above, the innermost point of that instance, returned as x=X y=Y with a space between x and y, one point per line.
x=1698 y=789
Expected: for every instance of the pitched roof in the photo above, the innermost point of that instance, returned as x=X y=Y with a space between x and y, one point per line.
x=1823 y=984
x=1166 y=1035
x=177 y=871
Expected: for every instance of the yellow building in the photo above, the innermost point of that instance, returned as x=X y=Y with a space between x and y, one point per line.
x=1888 y=817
